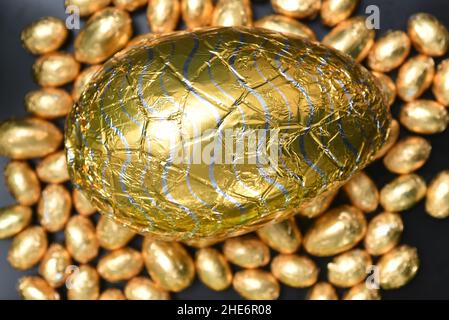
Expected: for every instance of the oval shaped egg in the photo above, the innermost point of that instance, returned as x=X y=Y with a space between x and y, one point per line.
x=383 y=233
x=14 y=219
x=318 y=205
x=143 y=124
x=440 y=86
x=349 y=268
x=82 y=204
x=398 y=267
x=362 y=192
x=286 y=25
x=322 y=291
x=55 y=69
x=197 y=13
x=112 y=235
x=283 y=236
x=408 y=155
x=415 y=76
x=48 y=103
x=437 y=200
x=53 y=168
x=22 y=182
x=213 y=269
x=44 y=35
x=246 y=252
x=36 y=288
x=112 y=294
x=297 y=9
x=403 y=193
x=294 y=271
x=163 y=15
x=54 y=265
x=28 y=248
x=121 y=264
x=80 y=239
x=256 y=285
x=82 y=81
x=54 y=207
x=228 y=13
x=83 y=284
x=141 y=288
x=335 y=11
x=424 y=116
x=428 y=34
x=390 y=51
x=87 y=7
x=362 y=292
x=387 y=86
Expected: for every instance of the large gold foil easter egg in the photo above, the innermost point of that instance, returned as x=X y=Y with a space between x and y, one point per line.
x=216 y=132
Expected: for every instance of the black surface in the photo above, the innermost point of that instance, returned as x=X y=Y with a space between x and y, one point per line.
x=430 y=236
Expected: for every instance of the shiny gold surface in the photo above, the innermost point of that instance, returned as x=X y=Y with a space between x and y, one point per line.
x=121 y=264
x=82 y=204
x=213 y=269
x=297 y=8
x=361 y=292
x=415 y=76
x=408 y=155
x=335 y=11
x=129 y=5
x=387 y=86
x=112 y=294
x=424 y=116
x=390 y=51
x=163 y=15
x=44 y=35
x=197 y=13
x=28 y=138
x=318 y=205
x=80 y=239
x=48 y=103
x=322 y=291
x=141 y=288
x=286 y=25
x=36 y=288
x=54 y=265
x=55 y=69
x=82 y=81
x=142 y=39
x=440 y=86
x=393 y=136
x=362 y=192
x=403 y=193
x=84 y=284
x=283 y=236
x=256 y=285
x=14 y=219
x=22 y=182
x=105 y=33
x=351 y=37
x=111 y=235
x=349 y=268
x=398 y=267
x=383 y=233
x=54 y=207
x=87 y=7
x=428 y=34
x=294 y=271
x=336 y=231
x=228 y=13
x=168 y=263
x=246 y=252
x=138 y=187
x=27 y=248
x=53 y=168
x=437 y=200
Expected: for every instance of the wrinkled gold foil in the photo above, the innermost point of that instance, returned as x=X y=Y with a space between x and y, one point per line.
x=328 y=112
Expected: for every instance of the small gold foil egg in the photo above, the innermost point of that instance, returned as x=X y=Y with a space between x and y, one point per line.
x=22 y=182
x=441 y=83
x=14 y=219
x=55 y=69
x=213 y=269
x=383 y=233
x=54 y=265
x=48 y=103
x=424 y=117
x=429 y=36
x=112 y=294
x=105 y=33
x=393 y=136
x=335 y=11
x=129 y=5
x=229 y=13
x=120 y=264
x=83 y=284
x=387 y=86
x=297 y=8
x=197 y=13
x=318 y=205
x=437 y=200
x=398 y=267
x=294 y=271
x=403 y=193
x=82 y=81
x=338 y=230
x=283 y=236
x=53 y=168
x=349 y=268
x=54 y=207
x=408 y=155
x=28 y=248
x=168 y=263
x=286 y=25
x=141 y=39
x=246 y=252
x=390 y=51
x=112 y=235
x=141 y=288
x=322 y=291
x=36 y=288
x=28 y=138
x=87 y=7
x=361 y=292
x=80 y=239
x=351 y=37
x=362 y=192
x=44 y=35
x=414 y=77
x=256 y=285
x=82 y=204
x=163 y=15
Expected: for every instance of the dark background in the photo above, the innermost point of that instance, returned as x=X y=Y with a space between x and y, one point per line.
x=429 y=235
